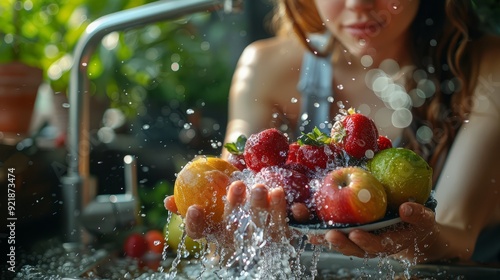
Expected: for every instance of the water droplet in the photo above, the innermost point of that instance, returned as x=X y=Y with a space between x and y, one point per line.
x=340 y=86
x=364 y=195
x=304 y=117
x=369 y=154
x=294 y=100
x=189 y=111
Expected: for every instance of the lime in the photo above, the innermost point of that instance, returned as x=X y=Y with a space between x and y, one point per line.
x=174 y=232
x=405 y=175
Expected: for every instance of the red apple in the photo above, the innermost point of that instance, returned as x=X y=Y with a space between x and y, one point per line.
x=350 y=195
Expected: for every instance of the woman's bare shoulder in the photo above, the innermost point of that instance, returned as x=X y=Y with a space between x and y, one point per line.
x=267 y=65
x=273 y=51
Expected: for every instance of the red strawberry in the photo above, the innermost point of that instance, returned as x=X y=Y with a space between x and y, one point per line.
x=315 y=151
x=235 y=150
x=298 y=167
x=294 y=183
x=292 y=152
x=266 y=148
x=383 y=143
x=356 y=134
x=314 y=157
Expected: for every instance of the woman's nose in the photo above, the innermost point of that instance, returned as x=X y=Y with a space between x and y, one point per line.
x=359 y=4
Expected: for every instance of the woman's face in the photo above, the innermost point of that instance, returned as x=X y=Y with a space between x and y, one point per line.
x=369 y=26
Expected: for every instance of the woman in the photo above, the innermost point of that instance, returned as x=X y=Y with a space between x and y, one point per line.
x=433 y=52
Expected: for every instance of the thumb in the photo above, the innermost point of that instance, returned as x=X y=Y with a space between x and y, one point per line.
x=417 y=214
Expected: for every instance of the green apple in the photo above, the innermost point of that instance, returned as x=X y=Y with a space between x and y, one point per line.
x=405 y=175
x=174 y=231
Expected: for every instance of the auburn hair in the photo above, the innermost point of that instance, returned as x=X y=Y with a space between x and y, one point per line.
x=452 y=25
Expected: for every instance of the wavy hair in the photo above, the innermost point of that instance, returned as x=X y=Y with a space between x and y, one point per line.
x=452 y=25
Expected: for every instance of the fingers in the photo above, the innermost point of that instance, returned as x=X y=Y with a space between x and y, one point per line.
x=236 y=195
x=278 y=207
x=300 y=212
x=419 y=225
x=340 y=242
x=267 y=207
x=195 y=223
x=372 y=244
x=417 y=214
x=259 y=203
x=170 y=205
x=258 y=198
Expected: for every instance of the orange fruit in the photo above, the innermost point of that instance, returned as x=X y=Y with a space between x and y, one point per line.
x=203 y=181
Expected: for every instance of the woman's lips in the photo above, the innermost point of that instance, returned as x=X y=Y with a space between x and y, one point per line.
x=363 y=30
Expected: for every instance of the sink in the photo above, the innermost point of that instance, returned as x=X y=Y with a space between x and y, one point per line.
x=54 y=261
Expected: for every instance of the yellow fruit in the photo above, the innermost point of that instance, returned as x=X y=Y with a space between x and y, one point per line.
x=203 y=182
x=173 y=232
x=405 y=175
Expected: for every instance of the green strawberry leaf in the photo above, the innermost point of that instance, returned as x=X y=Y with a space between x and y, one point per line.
x=237 y=147
x=314 y=138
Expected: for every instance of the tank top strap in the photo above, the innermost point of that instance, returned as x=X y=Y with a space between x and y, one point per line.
x=315 y=86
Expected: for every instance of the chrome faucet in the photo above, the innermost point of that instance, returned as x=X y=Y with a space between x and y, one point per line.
x=76 y=189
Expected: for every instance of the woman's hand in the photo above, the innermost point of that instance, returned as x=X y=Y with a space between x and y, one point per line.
x=410 y=241
x=267 y=210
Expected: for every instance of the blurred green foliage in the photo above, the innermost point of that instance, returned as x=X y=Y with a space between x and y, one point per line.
x=168 y=61
x=152 y=210
x=164 y=61
x=38 y=32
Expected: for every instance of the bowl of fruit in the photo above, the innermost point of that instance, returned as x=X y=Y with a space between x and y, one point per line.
x=350 y=178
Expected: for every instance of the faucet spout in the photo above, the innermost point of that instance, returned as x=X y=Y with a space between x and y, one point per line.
x=77 y=138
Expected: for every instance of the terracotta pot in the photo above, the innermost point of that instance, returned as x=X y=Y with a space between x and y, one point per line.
x=19 y=85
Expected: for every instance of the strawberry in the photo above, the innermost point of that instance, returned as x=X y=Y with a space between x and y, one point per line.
x=266 y=148
x=235 y=150
x=356 y=134
x=296 y=166
x=294 y=183
x=383 y=143
x=315 y=151
x=292 y=152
